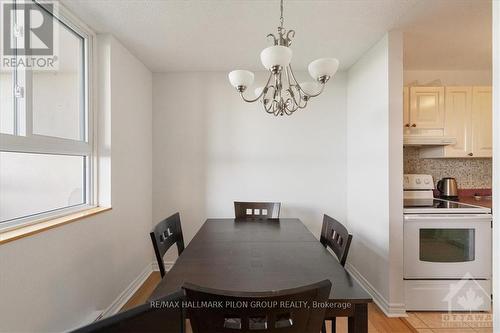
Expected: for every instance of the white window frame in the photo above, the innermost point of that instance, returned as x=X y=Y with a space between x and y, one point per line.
x=36 y=143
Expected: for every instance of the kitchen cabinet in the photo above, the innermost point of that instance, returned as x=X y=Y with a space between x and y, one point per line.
x=458 y=120
x=468 y=118
x=426 y=107
x=406 y=107
x=482 y=122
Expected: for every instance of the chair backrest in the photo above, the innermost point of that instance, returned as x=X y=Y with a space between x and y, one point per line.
x=261 y=311
x=167 y=233
x=257 y=210
x=335 y=236
x=156 y=316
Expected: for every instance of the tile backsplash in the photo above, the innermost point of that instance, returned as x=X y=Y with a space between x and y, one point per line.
x=470 y=173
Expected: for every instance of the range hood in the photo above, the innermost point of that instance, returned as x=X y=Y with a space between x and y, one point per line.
x=421 y=140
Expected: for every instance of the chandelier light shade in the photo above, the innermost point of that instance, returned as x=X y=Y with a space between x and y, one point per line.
x=323 y=67
x=282 y=94
x=276 y=56
x=241 y=78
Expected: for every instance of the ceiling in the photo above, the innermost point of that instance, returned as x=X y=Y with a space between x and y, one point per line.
x=213 y=35
x=448 y=34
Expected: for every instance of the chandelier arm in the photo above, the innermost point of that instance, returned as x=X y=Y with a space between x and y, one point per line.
x=271 y=87
x=294 y=108
x=317 y=94
x=273 y=107
x=288 y=75
x=276 y=109
x=290 y=87
x=268 y=89
x=270 y=109
x=306 y=100
x=295 y=79
x=295 y=86
x=298 y=85
x=289 y=112
x=270 y=104
x=301 y=99
x=279 y=85
x=293 y=95
x=300 y=96
x=261 y=93
x=303 y=106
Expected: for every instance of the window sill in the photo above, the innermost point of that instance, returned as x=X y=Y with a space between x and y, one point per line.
x=11 y=235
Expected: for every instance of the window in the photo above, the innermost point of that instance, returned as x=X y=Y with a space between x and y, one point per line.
x=46 y=146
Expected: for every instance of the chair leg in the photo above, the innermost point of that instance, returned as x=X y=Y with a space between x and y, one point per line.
x=323 y=327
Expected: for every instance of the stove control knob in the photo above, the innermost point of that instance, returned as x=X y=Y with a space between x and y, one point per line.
x=426 y=181
x=418 y=181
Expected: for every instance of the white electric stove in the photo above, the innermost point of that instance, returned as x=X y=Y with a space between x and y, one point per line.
x=447 y=251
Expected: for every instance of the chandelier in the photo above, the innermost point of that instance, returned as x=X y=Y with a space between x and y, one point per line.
x=282 y=94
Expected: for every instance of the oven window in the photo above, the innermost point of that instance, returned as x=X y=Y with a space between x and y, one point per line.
x=447 y=245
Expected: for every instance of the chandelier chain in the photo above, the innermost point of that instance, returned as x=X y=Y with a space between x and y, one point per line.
x=281 y=17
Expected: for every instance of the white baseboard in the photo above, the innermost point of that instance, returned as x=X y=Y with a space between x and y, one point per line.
x=120 y=301
x=125 y=295
x=168 y=265
x=89 y=319
x=389 y=309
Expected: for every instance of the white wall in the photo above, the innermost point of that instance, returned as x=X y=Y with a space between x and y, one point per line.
x=496 y=161
x=54 y=280
x=374 y=171
x=396 y=299
x=449 y=77
x=210 y=149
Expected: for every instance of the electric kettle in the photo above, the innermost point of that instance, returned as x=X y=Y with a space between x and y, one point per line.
x=448 y=188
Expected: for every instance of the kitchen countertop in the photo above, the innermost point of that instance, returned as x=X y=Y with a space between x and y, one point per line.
x=467 y=196
x=472 y=201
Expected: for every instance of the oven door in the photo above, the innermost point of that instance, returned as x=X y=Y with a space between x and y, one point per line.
x=447 y=246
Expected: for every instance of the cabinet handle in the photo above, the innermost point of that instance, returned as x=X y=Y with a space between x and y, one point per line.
x=470 y=154
x=407 y=125
x=414 y=125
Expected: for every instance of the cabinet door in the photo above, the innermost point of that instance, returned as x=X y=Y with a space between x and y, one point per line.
x=427 y=107
x=406 y=107
x=458 y=120
x=482 y=122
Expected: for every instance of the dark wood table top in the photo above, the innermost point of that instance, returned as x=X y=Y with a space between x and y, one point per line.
x=259 y=256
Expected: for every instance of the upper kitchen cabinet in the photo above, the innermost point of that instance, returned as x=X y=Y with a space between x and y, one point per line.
x=468 y=118
x=406 y=107
x=426 y=107
x=458 y=120
x=482 y=142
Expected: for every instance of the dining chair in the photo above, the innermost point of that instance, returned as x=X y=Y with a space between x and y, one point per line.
x=165 y=234
x=151 y=317
x=257 y=311
x=335 y=236
x=257 y=210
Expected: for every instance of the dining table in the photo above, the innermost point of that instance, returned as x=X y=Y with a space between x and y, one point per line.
x=263 y=255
